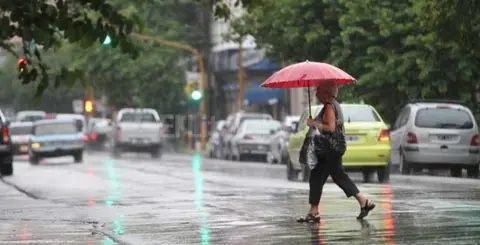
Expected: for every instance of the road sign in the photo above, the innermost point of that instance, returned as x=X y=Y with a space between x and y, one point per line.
x=77 y=106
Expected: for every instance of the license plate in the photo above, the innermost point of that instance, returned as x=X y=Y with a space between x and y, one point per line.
x=140 y=141
x=446 y=137
x=23 y=148
x=351 y=138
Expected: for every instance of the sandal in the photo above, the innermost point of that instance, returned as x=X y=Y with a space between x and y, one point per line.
x=369 y=206
x=310 y=218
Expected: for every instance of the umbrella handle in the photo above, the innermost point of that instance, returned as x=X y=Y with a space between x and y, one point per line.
x=309 y=107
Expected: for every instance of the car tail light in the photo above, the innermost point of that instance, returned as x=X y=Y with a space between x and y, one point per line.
x=384 y=135
x=247 y=137
x=412 y=138
x=5 y=135
x=85 y=138
x=475 y=140
x=93 y=136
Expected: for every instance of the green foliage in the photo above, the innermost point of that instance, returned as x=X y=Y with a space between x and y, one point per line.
x=398 y=50
x=155 y=79
x=42 y=25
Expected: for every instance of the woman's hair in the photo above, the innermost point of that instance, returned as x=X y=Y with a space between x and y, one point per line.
x=330 y=88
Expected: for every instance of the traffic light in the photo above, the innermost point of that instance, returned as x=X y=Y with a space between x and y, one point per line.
x=22 y=64
x=196 y=93
x=88 y=106
x=107 y=41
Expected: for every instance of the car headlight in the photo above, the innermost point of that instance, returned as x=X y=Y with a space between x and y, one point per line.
x=36 y=145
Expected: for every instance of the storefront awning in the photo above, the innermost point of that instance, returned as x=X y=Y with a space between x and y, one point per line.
x=257 y=95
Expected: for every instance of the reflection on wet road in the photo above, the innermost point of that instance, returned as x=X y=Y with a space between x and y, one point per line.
x=191 y=200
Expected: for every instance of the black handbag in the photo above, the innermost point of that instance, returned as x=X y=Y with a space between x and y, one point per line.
x=330 y=142
x=302 y=158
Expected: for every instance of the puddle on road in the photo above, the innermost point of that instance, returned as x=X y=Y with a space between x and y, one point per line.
x=198 y=199
x=115 y=190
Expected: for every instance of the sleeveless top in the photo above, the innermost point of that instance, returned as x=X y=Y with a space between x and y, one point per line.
x=338 y=114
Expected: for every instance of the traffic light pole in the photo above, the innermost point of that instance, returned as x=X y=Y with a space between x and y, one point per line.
x=201 y=68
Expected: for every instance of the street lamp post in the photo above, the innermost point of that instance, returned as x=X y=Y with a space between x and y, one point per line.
x=201 y=67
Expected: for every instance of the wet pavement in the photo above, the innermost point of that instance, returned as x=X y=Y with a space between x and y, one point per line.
x=183 y=199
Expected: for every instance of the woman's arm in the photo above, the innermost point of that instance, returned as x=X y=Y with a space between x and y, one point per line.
x=328 y=120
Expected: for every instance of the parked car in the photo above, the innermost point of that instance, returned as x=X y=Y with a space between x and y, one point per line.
x=368 y=143
x=214 y=143
x=30 y=116
x=278 y=152
x=233 y=123
x=279 y=141
x=54 y=138
x=6 y=151
x=436 y=135
x=253 y=138
x=98 y=132
x=138 y=130
x=20 y=133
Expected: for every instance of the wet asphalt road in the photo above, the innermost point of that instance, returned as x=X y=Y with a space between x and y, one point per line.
x=183 y=199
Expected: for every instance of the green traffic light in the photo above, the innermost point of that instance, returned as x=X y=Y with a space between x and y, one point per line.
x=107 y=40
x=196 y=95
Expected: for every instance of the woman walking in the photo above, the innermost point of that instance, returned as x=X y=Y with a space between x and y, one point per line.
x=330 y=120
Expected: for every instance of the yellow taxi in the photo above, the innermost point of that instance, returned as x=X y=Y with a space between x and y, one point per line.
x=368 y=143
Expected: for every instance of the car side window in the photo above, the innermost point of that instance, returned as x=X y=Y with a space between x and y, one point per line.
x=402 y=118
x=399 y=120
x=405 y=117
x=303 y=121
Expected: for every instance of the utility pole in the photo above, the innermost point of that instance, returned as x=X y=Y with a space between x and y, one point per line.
x=203 y=78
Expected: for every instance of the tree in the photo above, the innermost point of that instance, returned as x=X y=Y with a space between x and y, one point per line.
x=154 y=79
x=42 y=25
x=397 y=50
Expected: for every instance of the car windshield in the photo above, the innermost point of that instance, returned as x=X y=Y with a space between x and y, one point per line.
x=260 y=127
x=55 y=128
x=20 y=130
x=137 y=117
x=443 y=118
x=32 y=118
x=359 y=114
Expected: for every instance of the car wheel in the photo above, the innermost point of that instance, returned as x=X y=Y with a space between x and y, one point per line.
x=156 y=153
x=473 y=171
x=367 y=174
x=404 y=165
x=305 y=173
x=78 y=157
x=6 y=169
x=383 y=174
x=456 y=172
x=33 y=159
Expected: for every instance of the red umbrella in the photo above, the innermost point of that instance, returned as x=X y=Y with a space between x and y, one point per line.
x=307 y=74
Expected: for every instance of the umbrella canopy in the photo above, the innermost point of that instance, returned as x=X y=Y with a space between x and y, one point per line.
x=307 y=74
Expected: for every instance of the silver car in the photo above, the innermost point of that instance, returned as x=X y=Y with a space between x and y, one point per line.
x=214 y=143
x=253 y=138
x=20 y=133
x=54 y=138
x=436 y=135
x=232 y=125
